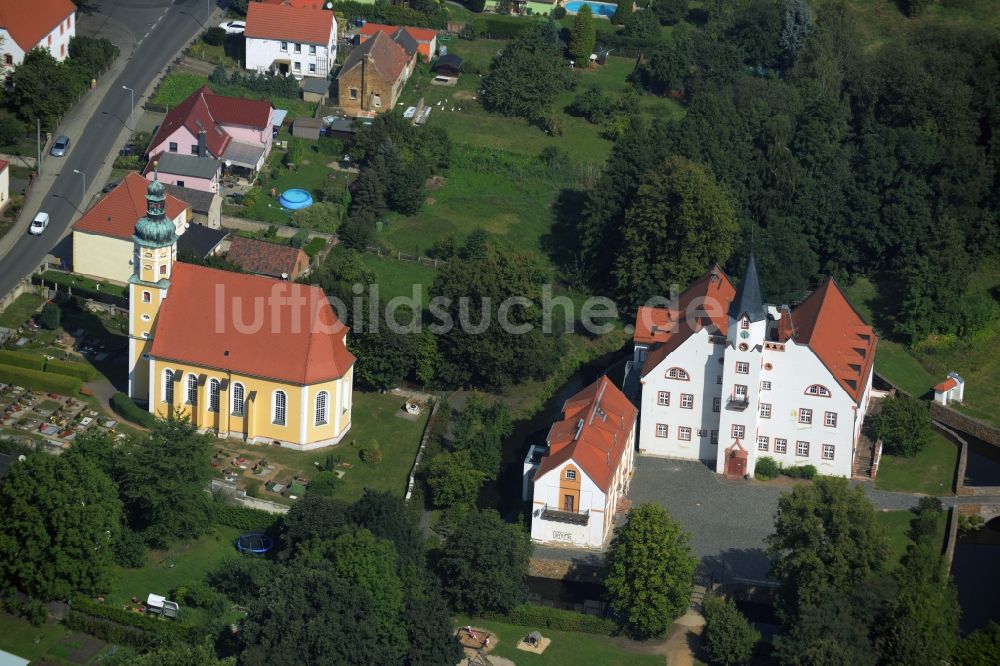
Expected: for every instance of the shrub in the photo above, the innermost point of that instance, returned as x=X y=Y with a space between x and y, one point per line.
x=82 y=371
x=300 y=238
x=242 y=578
x=241 y=517
x=555 y=618
x=130 y=162
x=214 y=36
x=125 y=408
x=198 y=595
x=252 y=488
x=144 y=623
x=729 y=638
x=51 y=316
x=129 y=550
x=40 y=381
x=372 y=453
x=800 y=471
x=766 y=468
x=324 y=483
x=106 y=630
x=559 y=12
x=251 y=197
x=22 y=360
x=36 y=612
x=219 y=75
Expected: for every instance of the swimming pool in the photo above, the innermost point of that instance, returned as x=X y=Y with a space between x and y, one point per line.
x=597 y=8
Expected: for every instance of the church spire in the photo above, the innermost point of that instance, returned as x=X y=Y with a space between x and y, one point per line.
x=749 y=301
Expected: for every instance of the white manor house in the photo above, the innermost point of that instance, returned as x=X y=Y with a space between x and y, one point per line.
x=726 y=378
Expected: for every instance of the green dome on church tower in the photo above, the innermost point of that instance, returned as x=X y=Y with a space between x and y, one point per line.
x=155 y=229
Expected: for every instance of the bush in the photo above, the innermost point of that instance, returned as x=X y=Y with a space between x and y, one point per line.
x=799 y=471
x=729 y=638
x=252 y=488
x=22 y=360
x=904 y=425
x=144 y=623
x=372 y=453
x=766 y=468
x=51 y=316
x=106 y=630
x=219 y=75
x=241 y=579
x=198 y=595
x=82 y=371
x=251 y=197
x=299 y=239
x=11 y=129
x=555 y=618
x=241 y=517
x=128 y=410
x=129 y=550
x=40 y=381
x=214 y=36
x=324 y=483
x=559 y=12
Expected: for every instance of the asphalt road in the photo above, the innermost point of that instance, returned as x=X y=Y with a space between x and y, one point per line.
x=160 y=28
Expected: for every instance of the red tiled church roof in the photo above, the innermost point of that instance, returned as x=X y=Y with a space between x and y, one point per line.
x=116 y=214
x=296 y=22
x=593 y=432
x=251 y=325
x=27 y=22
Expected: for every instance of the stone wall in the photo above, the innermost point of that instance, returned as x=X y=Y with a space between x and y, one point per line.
x=966 y=424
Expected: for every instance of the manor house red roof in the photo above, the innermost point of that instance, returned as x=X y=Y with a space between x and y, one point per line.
x=27 y=22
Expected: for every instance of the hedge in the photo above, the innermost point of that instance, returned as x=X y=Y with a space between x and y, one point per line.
x=82 y=371
x=40 y=381
x=106 y=630
x=241 y=517
x=528 y=615
x=138 y=621
x=125 y=408
x=23 y=360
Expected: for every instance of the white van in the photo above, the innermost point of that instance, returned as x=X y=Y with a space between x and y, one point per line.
x=39 y=224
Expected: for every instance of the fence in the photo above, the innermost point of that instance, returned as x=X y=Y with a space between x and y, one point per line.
x=23 y=287
x=240 y=497
x=400 y=256
x=966 y=424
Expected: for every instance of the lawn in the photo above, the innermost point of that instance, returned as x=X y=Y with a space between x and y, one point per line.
x=396 y=278
x=166 y=569
x=83 y=284
x=20 y=310
x=573 y=648
x=374 y=418
x=896 y=524
x=932 y=471
x=52 y=643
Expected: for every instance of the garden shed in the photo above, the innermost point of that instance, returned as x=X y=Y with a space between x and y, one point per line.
x=315 y=89
x=306 y=128
x=448 y=65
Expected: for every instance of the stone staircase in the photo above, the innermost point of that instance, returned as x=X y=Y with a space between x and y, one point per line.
x=864 y=458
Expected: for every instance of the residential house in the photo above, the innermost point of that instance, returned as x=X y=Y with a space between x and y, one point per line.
x=727 y=378
x=290 y=39
x=234 y=130
x=102 y=237
x=4 y=184
x=373 y=75
x=423 y=40
x=238 y=355
x=580 y=478
x=189 y=171
x=28 y=25
x=270 y=259
x=206 y=207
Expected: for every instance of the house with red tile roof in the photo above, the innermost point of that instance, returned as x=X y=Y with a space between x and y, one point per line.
x=233 y=130
x=727 y=378
x=102 y=237
x=241 y=356
x=424 y=39
x=374 y=74
x=578 y=480
x=28 y=25
x=297 y=38
x=271 y=259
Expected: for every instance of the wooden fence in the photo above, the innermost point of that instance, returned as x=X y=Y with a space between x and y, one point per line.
x=401 y=256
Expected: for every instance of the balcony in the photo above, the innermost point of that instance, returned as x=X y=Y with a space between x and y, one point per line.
x=569 y=517
x=738 y=403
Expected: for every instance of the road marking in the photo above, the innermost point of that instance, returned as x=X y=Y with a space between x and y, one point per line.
x=146 y=35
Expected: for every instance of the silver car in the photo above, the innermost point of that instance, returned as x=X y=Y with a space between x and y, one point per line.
x=60 y=146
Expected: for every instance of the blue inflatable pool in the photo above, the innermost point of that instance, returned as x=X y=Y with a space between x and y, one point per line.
x=295 y=199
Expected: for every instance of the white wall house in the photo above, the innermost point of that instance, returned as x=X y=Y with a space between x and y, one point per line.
x=577 y=482
x=950 y=390
x=26 y=25
x=290 y=40
x=755 y=381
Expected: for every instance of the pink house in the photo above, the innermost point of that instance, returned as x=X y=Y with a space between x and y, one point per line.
x=194 y=173
x=233 y=130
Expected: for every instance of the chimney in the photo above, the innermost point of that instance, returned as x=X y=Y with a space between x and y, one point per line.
x=202 y=148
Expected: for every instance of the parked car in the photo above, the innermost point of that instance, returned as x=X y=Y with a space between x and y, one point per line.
x=234 y=27
x=60 y=146
x=39 y=224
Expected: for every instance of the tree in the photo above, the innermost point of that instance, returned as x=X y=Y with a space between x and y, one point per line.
x=484 y=564
x=61 y=517
x=582 y=36
x=668 y=65
x=313 y=517
x=623 y=12
x=174 y=654
x=650 y=571
x=904 y=425
x=642 y=25
x=527 y=75
x=669 y=11
x=980 y=647
x=323 y=484
x=798 y=25
x=324 y=216
x=477 y=6
x=729 y=637
x=51 y=315
x=452 y=480
x=241 y=578
x=161 y=481
x=385 y=516
x=679 y=224
x=430 y=638
x=481 y=429
x=914 y=7
x=214 y=36
x=825 y=539
x=11 y=129
x=41 y=88
x=219 y=75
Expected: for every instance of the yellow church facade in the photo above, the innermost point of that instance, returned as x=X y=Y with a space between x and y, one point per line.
x=239 y=355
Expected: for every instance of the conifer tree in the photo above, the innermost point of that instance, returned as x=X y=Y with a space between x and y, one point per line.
x=582 y=37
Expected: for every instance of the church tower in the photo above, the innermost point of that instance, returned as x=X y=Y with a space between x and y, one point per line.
x=155 y=251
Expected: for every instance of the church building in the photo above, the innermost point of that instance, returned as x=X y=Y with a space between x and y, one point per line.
x=727 y=378
x=243 y=356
